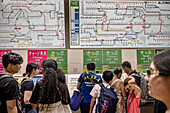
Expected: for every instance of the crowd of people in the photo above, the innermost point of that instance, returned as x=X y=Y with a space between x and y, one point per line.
x=51 y=94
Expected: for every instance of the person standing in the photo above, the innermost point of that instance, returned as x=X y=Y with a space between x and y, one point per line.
x=134 y=96
x=126 y=66
x=86 y=82
x=47 y=92
x=107 y=78
x=120 y=90
x=158 y=78
x=27 y=86
x=9 y=90
x=64 y=92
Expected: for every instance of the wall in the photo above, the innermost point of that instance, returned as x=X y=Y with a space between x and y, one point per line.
x=75 y=59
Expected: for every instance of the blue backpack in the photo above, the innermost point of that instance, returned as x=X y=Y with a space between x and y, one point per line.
x=107 y=102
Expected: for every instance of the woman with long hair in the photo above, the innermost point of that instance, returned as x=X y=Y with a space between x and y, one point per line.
x=63 y=89
x=27 y=86
x=47 y=92
x=120 y=90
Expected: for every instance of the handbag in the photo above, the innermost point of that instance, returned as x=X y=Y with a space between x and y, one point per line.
x=76 y=100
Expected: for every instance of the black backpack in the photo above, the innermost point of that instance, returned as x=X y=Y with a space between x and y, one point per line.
x=107 y=102
x=18 y=101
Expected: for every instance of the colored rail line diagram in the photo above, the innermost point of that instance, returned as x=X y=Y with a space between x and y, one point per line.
x=119 y=24
x=32 y=24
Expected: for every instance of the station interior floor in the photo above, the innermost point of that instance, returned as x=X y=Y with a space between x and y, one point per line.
x=146 y=108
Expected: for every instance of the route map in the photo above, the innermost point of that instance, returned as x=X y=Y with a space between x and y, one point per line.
x=32 y=24
x=119 y=24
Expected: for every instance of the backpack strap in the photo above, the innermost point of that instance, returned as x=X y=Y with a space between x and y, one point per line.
x=118 y=84
x=92 y=81
x=114 y=82
x=82 y=76
x=5 y=76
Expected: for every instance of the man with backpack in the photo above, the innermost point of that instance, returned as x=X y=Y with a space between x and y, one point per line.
x=126 y=66
x=9 y=90
x=86 y=81
x=104 y=96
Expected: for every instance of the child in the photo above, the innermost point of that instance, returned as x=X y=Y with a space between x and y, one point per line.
x=133 y=100
x=107 y=77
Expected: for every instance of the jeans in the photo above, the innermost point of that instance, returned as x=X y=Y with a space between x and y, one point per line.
x=30 y=111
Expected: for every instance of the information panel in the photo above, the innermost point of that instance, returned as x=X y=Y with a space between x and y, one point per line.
x=103 y=59
x=119 y=24
x=112 y=57
x=37 y=56
x=144 y=59
x=2 y=52
x=61 y=57
x=32 y=24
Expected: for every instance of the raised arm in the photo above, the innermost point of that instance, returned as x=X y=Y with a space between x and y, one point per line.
x=131 y=83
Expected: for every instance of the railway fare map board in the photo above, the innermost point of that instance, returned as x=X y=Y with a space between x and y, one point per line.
x=32 y=24
x=119 y=24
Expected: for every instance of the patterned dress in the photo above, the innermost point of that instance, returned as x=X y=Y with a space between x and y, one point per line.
x=121 y=103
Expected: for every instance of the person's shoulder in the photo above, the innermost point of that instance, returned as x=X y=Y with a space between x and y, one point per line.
x=96 y=75
x=27 y=81
x=7 y=78
x=97 y=87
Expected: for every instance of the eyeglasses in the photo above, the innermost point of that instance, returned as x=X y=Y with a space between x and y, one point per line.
x=156 y=72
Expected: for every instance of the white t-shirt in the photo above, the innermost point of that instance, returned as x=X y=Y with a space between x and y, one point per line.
x=95 y=92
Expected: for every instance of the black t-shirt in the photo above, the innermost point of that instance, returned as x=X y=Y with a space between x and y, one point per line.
x=9 y=90
x=35 y=94
x=26 y=85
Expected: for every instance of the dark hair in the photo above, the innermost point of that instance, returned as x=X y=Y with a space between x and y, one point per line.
x=30 y=67
x=126 y=81
x=162 y=62
x=49 y=92
x=61 y=76
x=127 y=64
x=107 y=75
x=117 y=71
x=11 y=58
x=63 y=89
x=91 y=66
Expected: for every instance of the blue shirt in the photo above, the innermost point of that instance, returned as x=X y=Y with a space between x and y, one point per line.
x=87 y=86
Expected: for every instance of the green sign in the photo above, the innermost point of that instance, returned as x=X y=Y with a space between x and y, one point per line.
x=112 y=57
x=60 y=56
x=110 y=67
x=94 y=56
x=103 y=59
x=74 y=3
x=145 y=56
x=143 y=68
